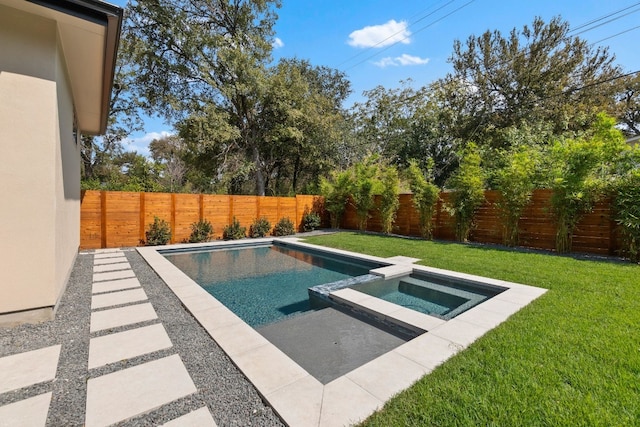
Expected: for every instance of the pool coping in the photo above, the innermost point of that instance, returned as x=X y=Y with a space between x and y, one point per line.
x=296 y=396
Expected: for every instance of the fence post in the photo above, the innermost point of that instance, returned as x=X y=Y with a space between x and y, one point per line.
x=142 y=216
x=103 y=219
x=173 y=218
x=201 y=207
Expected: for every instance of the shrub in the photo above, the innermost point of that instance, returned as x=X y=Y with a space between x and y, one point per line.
x=201 y=231
x=389 y=199
x=627 y=213
x=234 y=231
x=425 y=197
x=515 y=183
x=575 y=186
x=310 y=221
x=363 y=189
x=159 y=232
x=260 y=227
x=467 y=185
x=284 y=227
x=336 y=192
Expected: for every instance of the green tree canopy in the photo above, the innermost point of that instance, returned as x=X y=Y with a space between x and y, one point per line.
x=540 y=74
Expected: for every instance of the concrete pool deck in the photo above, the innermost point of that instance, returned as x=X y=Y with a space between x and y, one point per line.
x=123 y=323
x=297 y=396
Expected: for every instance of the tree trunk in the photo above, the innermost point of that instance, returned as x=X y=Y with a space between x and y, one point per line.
x=260 y=187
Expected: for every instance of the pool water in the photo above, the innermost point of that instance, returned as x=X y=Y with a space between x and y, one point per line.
x=429 y=295
x=265 y=284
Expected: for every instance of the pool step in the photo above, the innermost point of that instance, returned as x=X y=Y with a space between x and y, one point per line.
x=393 y=271
x=385 y=311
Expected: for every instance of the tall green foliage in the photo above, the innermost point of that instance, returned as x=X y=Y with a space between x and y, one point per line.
x=581 y=169
x=364 y=187
x=336 y=190
x=627 y=212
x=575 y=186
x=425 y=197
x=467 y=191
x=389 y=197
x=515 y=183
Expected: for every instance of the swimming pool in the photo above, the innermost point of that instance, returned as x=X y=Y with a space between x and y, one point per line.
x=263 y=284
x=430 y=294
x=296 y=395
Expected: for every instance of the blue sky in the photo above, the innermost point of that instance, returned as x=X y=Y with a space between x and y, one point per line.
x=381 y=42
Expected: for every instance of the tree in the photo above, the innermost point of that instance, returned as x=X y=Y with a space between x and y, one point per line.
x=540 y=74
x=404 y=124
x=169 y=152
x=302 y=120
x=206 y=59
x=628 y=105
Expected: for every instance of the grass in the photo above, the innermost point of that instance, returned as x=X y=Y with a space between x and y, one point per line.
x=570 y=358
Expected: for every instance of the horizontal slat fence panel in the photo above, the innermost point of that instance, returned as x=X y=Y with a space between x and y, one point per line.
x=596 y=232
x=217 y=210
x=114 y=219
x=91 y=214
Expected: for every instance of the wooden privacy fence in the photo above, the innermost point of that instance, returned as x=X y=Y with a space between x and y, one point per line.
x=596 y=233
x=115 y=219
x=111 y=219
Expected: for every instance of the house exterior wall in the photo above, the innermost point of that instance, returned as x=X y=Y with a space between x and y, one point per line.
x=40 y=198
x=67 y=180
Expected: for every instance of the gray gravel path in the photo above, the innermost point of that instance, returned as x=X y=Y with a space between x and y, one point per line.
x=231 y=399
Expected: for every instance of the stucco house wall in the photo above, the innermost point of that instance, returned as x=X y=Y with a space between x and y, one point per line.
x=39 y=163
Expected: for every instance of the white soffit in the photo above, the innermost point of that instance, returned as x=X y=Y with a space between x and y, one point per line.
x=84 y=47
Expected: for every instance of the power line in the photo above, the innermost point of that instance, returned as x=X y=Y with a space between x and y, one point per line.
x=606 y=22
x=396 y=33
x=404 y=38
x=593 y=21
x=610 y=79
x=615 y=35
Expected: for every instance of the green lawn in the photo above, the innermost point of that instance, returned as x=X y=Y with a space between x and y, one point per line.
x=570 y=358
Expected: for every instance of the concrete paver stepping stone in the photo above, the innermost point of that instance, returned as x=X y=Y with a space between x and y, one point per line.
x=115 y=285
x=28 y=368
x=122 y=316
x=111 y=267
x=112 y=275
x=117 y=298
x=31 y=412
x=134 y=391
x=126 y=345
x=112 y=254
x=198 y=418
x=114 y=260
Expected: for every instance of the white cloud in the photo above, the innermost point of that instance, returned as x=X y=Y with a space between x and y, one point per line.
x=402 y=60
x=141 y=143
x=278 y=43
x=381 y=35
